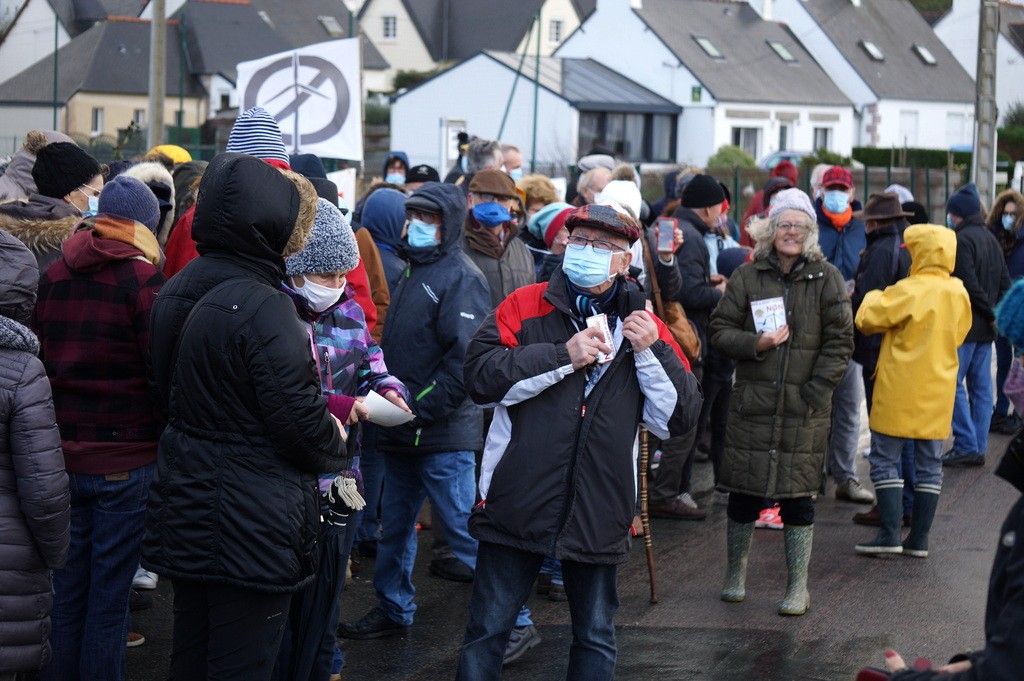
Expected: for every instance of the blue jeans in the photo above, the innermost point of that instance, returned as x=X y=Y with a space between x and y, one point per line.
x=972 y=417
x=845 y=433
x=886 y=452
x=371 y=464
x=504 y=578
x=553 y=567
x=448 y=479
x=1004 y=358
x=90 y=594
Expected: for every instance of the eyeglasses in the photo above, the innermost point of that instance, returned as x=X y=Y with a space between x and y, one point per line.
x=794 y=227
x=599 y=245
x=487 y=198
x=95 y=192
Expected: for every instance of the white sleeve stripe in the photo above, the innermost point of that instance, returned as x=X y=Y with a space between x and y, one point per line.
x=534 y=385
x=660 y=393
x=498 y=436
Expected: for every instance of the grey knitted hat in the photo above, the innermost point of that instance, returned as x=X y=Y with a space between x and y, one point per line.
x=331 y=246
x=792 y=199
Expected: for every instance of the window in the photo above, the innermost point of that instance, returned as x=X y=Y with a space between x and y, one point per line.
x=872 y=50
x=179 y=119
x=908 y=129
x=748 y=139
x=139 y=116
x=781 y=50
x=266 y=18
x=783 y=136
x=956 y=130
x=331 y=25
x=634 y=137
x=925 y=54
x=225 y=100
x=823 y=139
x=390 y=27
x=555 y=31
x=97 y=120
x=708 y=46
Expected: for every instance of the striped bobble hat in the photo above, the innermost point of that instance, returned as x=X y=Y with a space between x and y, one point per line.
x=256 y=133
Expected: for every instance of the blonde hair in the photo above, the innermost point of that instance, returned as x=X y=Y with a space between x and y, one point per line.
x=307 y=211
x=763 y=231
x=538 y=188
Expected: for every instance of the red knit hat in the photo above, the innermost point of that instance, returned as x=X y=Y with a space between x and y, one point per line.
x=556 y=224
x=837 y=175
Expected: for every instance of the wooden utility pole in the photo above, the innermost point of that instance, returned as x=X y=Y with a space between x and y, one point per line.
x=985 y=114
x=157 y=74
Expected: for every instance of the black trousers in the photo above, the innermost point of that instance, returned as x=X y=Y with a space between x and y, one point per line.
x=744 y=508
x=223 y=633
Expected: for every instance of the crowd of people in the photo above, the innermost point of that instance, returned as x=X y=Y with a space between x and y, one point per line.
x=220 y=375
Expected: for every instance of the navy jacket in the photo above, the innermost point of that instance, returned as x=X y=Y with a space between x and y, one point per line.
x=440 y=300
x=842 y=248
x=982 y=268
x=696 y=293
x=885 y=261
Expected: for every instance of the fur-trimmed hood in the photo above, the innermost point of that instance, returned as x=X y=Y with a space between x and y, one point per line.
x=41 y=223
x=153 y=175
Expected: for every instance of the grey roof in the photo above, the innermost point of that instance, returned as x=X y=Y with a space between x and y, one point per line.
x=78 y=15
x=749 y=70
x=584 y=83
x=1011 y=24
x=223 y=33
x=112 y=57
x=474 y=25
x=895 y=27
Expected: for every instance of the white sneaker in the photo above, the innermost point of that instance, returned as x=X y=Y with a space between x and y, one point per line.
x=687 y=500
x=144 y=579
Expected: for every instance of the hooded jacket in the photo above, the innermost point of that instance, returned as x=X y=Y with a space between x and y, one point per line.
x=775 y=444
x=842 y=246
x=155 y=176
x=35 y=507
x=440 y=300
x=925 y=318
x=383 y=217
x=234 y=499
x=981 y=267
x=97 y=362
x=884 y=262
x=41 y=223
x=1012 y=240
x=392 y=155
x=558 y=476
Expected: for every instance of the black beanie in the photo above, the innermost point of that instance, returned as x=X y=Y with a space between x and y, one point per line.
x=702 y=191
x=61 y=168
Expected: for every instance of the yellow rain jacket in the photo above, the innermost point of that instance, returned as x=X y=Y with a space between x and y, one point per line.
x=925 y=318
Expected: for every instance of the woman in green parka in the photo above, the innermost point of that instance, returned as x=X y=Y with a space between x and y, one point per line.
x=786 y=318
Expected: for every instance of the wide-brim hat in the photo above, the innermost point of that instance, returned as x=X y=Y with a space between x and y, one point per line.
x=882 y=206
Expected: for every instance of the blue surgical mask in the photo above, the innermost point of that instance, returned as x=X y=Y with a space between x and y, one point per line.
x=836 y=200
x=395 y=178
x=1008 y=221
x=421 y=234
x=587 y=267
x=949 y=221
x=94 y=207
x=464 y=164
x=491 y=214
x=516 y=174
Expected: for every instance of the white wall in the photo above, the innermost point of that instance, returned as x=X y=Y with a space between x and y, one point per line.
x=17 y=121
x=770 y=117
x=958 y=31
x=562 y=10
x=406 y=52
x=696 y=136
x=30 y=40
x=933 y=120
x=646 y=61
x=476 y=91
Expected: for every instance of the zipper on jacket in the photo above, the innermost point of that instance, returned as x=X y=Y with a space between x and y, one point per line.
x=416 y=442
x=780 y=373
x=423 y=393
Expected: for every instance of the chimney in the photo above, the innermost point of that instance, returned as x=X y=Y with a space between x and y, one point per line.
x=636 y=4
x=766 y=10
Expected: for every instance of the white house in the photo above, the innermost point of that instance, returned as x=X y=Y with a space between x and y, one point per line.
x=579 y=103
x=421 y=35
x=958 y=30
x=739 y=79
x=905 y=85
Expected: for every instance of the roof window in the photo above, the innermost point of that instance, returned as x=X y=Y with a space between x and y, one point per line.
x=331 y=25
x=781 y=50
x=872 y=50
x=925 y=54
x=708 y=46
x=266 y=17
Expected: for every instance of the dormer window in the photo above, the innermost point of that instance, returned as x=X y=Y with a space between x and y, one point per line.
x=708 y=46
x=872 y=50
x=331 y=25
x=925 y=54
x=781 y=50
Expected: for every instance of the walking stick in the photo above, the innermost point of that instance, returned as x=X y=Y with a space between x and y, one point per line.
x=645 y=519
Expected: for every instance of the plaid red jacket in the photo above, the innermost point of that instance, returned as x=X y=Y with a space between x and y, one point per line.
x=93 y=326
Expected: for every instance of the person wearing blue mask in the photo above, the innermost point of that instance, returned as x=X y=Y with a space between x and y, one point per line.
x=491 y=234
x=396 y=167
x=843 y=237
x=513 y=161
x=981 y=267
x=439 y=302
x=1005 y=223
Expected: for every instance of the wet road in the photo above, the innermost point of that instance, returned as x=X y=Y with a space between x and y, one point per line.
x=859 y=605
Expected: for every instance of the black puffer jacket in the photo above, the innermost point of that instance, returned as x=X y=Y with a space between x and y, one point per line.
x=696 y=293
x=234 y=499
x=982 y=268
x=35 y=509
x=435 y=310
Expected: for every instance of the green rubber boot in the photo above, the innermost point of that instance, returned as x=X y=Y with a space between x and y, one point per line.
x=739 y=537
x=926 y=500
x=889 y=494
x=798 y=555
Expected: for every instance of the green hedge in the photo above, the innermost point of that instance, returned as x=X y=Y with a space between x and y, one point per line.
x=919 y=158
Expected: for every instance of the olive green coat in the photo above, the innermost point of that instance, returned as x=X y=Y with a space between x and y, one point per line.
x=777 y=436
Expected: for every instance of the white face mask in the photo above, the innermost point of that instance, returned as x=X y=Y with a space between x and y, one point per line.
x=319 y=297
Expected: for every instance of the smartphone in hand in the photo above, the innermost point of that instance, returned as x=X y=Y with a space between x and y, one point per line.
x=667 y=234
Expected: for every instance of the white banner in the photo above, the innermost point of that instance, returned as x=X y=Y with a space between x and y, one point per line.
x=314 y=94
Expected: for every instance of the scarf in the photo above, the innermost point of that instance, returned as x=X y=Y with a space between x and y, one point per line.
x=584 y=304
x=839 y=220
x=129 y=232
x=490 y=242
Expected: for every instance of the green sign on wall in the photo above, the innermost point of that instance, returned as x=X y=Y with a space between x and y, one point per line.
x=695 y=93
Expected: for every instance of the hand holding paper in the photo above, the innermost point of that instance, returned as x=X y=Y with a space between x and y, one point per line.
x=384 y=413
